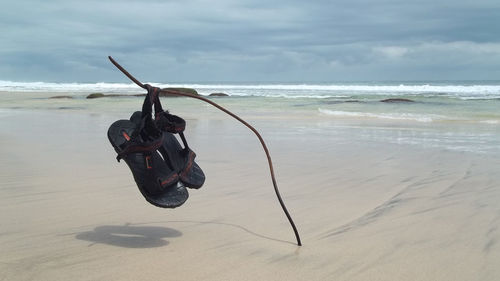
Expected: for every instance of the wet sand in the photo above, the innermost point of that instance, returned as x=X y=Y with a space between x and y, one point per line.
x=365 y=209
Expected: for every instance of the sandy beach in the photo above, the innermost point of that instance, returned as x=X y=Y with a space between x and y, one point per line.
x=368 y=205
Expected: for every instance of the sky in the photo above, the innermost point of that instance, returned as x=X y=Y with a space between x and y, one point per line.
x=250 y=40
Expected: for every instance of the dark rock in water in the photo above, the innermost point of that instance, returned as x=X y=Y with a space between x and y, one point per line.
x=61 y=97
x=162 y=94
x=182 y=90
x=218 y=95
x=101 y=95
x=397 y=100
x=70 y=107
x=95 y=95
x=339 y=101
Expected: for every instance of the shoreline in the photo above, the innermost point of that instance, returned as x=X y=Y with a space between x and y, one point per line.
x=368 y=202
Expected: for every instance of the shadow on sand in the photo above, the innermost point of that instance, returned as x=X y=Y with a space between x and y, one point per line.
x=129 y=236
x=237 y=226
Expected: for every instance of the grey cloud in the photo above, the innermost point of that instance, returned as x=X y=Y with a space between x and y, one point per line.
x=250 y=40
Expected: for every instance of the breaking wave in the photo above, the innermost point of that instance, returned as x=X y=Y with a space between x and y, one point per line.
x=465 y=92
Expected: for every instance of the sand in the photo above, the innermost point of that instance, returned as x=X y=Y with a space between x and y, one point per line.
x=365 y=209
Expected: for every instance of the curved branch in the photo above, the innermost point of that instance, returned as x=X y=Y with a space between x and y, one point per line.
x=271 y=169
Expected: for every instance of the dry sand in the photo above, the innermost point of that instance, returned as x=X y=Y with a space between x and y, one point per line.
x=365 y=210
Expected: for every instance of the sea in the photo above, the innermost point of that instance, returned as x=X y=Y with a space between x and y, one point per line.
x=455 y=115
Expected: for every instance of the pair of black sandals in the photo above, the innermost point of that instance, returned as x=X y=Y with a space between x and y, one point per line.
x=161 y=167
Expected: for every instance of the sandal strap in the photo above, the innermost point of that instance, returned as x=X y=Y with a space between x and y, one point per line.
x=135 y=147
x=170 y=123
x=151 y=100
x=163 y=120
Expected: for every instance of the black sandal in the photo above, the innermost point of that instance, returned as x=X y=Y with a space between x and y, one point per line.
x=138 y=145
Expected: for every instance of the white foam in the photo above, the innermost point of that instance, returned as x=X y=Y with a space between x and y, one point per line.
x=479 y=97
x=361 y=88
x=273 y=90
x=392 y=116
x=493 y=122
x=66 y=87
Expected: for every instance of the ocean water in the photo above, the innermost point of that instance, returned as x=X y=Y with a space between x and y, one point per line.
x=458 y=115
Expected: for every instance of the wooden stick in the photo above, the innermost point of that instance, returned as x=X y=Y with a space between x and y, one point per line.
x=271 y=169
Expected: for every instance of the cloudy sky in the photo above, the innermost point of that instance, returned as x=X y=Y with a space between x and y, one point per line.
x=250 y=40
